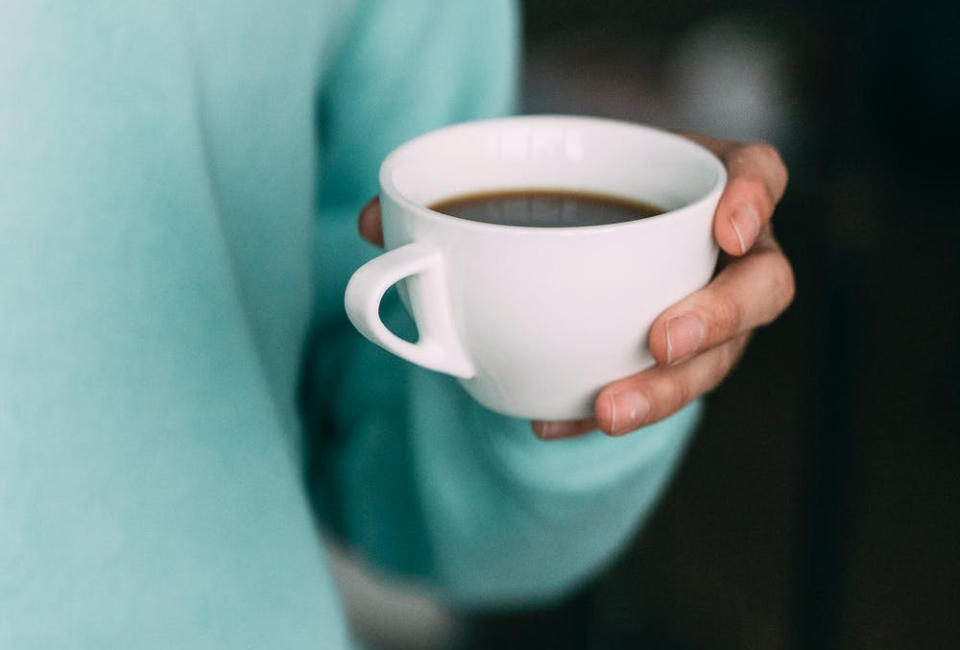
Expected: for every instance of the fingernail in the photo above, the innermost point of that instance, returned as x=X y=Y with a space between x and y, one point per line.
x=746 y=224
x=628 y=410
x=684 y=335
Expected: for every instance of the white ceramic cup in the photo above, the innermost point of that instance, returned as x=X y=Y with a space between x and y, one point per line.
x=535 y=321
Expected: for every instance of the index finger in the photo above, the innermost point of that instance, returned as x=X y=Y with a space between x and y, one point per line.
x=757 y=179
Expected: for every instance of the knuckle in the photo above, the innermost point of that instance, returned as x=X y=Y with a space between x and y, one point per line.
x=676 y=393
x=785 y=281
x=727 y=357
x=732 y=353
x=764 y=151
x=766 y=154
x=769 y=159
x=727 y=315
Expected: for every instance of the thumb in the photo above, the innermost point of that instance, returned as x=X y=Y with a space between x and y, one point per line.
x=369 y=223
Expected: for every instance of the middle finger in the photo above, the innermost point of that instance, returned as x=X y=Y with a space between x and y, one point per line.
x=750 y=291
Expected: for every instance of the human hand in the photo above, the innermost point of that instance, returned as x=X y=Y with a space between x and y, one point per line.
x=697 y=341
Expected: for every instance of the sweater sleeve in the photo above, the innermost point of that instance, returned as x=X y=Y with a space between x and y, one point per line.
x=406 y=467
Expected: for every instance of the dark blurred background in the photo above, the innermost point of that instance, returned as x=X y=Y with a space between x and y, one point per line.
x=820 y=504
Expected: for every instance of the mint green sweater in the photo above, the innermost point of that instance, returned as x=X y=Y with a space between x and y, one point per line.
x=182 y=400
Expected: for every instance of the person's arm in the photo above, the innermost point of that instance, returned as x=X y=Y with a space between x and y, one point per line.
x=148 y=494
x=408 y=469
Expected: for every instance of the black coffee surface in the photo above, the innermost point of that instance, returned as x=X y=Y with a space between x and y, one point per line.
x=545 y=208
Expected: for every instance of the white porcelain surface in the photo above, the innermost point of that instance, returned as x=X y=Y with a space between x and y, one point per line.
x=535 y=321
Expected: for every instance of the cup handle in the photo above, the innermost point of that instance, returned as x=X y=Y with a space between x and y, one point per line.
x=438 y=347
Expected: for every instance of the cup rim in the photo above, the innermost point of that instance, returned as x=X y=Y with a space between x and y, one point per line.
x=388 y=186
